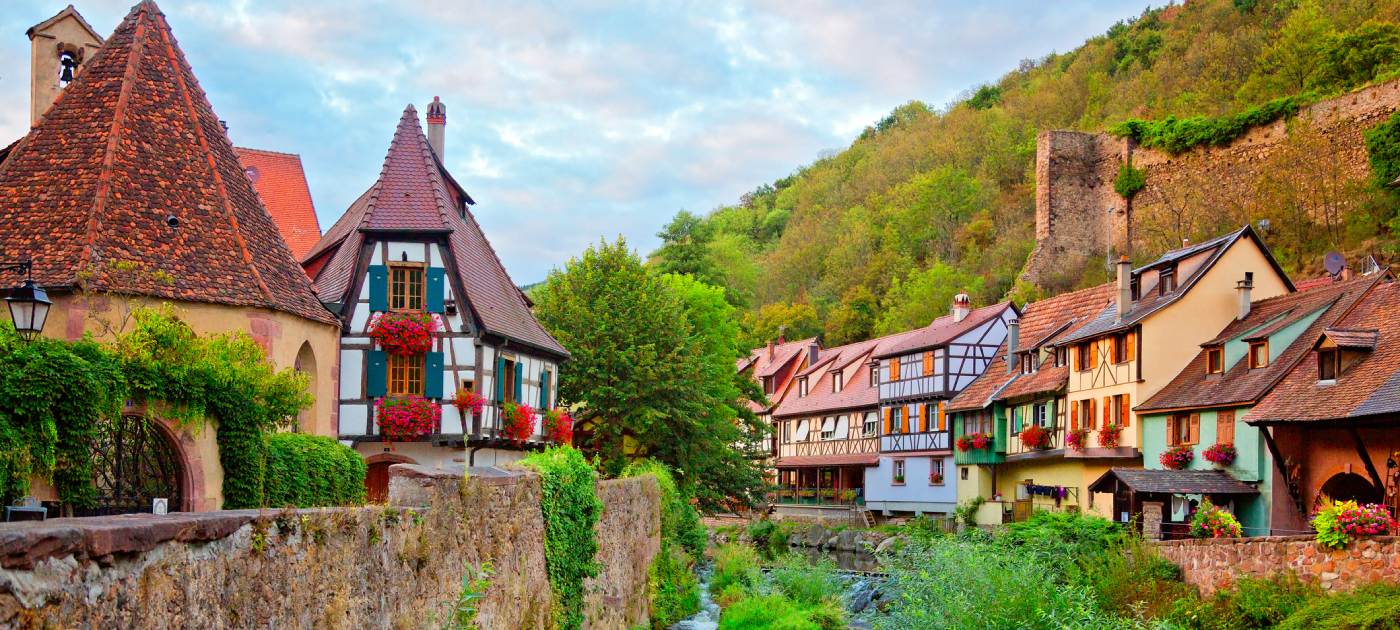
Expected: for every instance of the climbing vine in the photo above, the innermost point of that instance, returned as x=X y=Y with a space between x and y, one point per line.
x=1179 y=135
x=1383 y=150
x=675 y=593
x=571 y=509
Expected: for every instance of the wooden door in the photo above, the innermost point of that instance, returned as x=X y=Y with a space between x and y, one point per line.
x=377 y=482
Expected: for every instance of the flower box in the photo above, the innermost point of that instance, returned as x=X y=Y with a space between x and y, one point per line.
x=1109 y=435
x=469 y=402
x=403 y=334
x=517 y=421
x=1177 y=457
x=935 y=479
x=404 y=418
x=971 y=441
x=1077 y=439
x=1221 y=454
x=1035 y=437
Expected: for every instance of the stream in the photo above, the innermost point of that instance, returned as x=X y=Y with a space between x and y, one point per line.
x=862 y=588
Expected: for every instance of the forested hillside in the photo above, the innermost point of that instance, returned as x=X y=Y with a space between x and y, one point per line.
x=927 y=202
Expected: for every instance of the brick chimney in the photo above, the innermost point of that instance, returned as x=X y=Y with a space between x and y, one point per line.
x=1243 y=288
x=813 y=351
x=1125 y=287
x=770 y=350
x=1013 y=345
x=437 y=124
x=962 y=305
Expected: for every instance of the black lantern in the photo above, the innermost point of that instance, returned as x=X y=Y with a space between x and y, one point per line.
x=29 y=304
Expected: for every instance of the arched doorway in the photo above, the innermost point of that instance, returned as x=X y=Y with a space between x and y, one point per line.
x=1351 y=487
x=306 y=364
x=134 y=462
x=377 y=475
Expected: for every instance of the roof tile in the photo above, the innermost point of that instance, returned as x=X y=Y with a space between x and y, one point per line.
x=281 y=185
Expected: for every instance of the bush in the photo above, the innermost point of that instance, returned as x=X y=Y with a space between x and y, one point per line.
x=1129 y=182
x=680 y=522
x=771 y=612
x=1064 y=537
x=1374 y=607
x=806 y=583
x=1251 y=603
x=569 y=502
x=1132 y=580
x=966 y=511
x=675 y=593
x=1178 y=135
x=1339 y=523
x=312 y=471
x=735 y=565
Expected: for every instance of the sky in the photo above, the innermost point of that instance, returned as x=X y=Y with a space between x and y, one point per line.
x=573 y=122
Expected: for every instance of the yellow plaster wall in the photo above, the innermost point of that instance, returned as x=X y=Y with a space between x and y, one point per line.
x=43 y=61
x=1057 y=472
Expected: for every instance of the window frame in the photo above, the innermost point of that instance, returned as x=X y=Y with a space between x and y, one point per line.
x=1215 y=360
x=1040 y=415
x=898 y=472
x=1329 y=357
x=1082 y=354
x=408 y=269
x=828 y=435
x=838 y=380
x=1120 y=348
x=802 y=387
x=1255 y=361
x=399 y=372
x=508 y=380
x=935 y=465
x=870 y=426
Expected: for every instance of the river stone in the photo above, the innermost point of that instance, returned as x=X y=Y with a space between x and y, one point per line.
x=813 y=536
x=848 y=540
x=887 y=543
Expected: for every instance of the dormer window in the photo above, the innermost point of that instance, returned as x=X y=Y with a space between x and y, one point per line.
x=1258 y=354
x=1329 y=364
x=1135 y=287
x=768 y=385
x=874 y=374
x=1029 y=362
x=838 y=380
x=802 y=387
x=1166 y=282
x=1215 y=360
x=1061 y=356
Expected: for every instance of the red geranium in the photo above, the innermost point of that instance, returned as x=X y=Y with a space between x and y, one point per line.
x=559 y=426
x=469 y=402
x=973 y=440
x=1221 y=454
x=1109 y=434
x=1077 y=439
x=404 y=334
x=518 y=421
x=1034 y=436
x=1177 y=457
x=403 y=418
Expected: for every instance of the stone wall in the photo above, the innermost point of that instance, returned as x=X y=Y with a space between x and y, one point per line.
x=1312 y=162
x=1214 y=564
x=371 y=567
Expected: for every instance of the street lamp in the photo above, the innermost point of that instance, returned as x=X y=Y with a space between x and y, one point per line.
x=29 y=304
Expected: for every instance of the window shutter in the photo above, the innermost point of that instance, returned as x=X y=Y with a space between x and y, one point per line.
x=942 y=417
x=544 y=389
x=1015 y=419
x=1225 y=426
x=500 y=375
x=1074 y=416
x=1132 y=346
x=1089 y=413
x=432 y=375
x=519 y=379
x=378 y=288
x=1195 y=428
x=894 y=369
x=923 y=418
x=432 y=299
x=1171 y=430
x=928 y=363
x=1074 y=358
x=376 y=373
x=904 y=420
x=1126 y=409
x=889 y=426
x=1112 y=349
x=1093 y=354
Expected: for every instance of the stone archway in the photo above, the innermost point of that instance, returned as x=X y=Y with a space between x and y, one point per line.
x=1347 y=486
x=135 y=460
x=306 y=364
x=377 y=475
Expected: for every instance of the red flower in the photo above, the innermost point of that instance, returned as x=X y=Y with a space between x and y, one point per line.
x=518 y=421
x=1035 y=437
x=1221 y=454
x=1077 y=439
x=1177 y=457
x=1109 y=434
x=558 y=426
x=469 y=401
x=404 y=334
x=403 y=418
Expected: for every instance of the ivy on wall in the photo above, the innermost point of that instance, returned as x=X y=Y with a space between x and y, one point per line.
x=675 y=593
x=1179 y=135
x=1383 y=150
x=312 y=471
x=1130 y=181
x=571 y=510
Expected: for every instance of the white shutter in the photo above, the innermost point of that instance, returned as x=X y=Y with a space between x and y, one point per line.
x=843 y=429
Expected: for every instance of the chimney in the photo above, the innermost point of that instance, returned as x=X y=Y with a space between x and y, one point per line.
x=1185 y=241
x=962 y=305
x=781 y=331
x=1125 y=287
x=813 y=351
x=1243 y=289
x=770 y=350
x=437 y=123
x=1013 y=345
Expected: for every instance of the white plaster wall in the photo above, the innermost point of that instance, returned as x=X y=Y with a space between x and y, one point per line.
x=354 y=418
x=351 y=375
x=407 y=252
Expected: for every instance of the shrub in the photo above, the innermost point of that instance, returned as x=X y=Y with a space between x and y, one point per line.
x=680 y=522
x=1132 y=580
x=312 y=471
x=1109 y=435
x=570 y=505
x=518 y=421
x=1130 y=181
x=1213 y=522
x=1383 y=150
x=736 y=566
x=404 y=334
x=1178 y=135
x=1035 y=437
x=1341 y=522
x=674 y=591
x=1064 y=534
x=1374 y=607
x=1077 y=439
x=804 y=582
x=966 y=511
x=1251 y=603
x=770 y=612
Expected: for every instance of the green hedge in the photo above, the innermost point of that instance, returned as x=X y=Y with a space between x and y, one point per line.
x=571 y=509
x=312 y=471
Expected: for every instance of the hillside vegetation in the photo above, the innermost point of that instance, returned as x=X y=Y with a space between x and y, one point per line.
x=929 y=202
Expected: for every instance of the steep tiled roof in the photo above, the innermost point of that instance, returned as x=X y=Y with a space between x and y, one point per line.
x=1370 y=386
x=1172 y=482
x=941 y=331
x=281 y=185
x=415 y=194
x=1353 y=338
x=1042 y=323
x=763 y=363
x=132 y=143
x=855 y=393
x=1193 y=387
x=1151 y=300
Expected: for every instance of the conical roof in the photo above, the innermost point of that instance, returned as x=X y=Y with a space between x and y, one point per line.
x=130 y=185
x=416 y=195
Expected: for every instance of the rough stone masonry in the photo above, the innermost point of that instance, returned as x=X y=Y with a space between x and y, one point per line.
x=395 y=566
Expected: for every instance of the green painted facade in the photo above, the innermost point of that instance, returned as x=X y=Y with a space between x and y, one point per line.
x=996 y=453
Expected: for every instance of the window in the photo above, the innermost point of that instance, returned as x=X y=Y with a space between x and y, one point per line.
x=838 y=380
x=1086 y=412
x=898 y=469
x=872 y=425
x=1225 y=426
x=828 y=428
x=1166 y=282
x=1215 y=360
x=1183 y=429
x=1258 y=354
x=1040 y=415
x=1121 y=351
x=1329 y=364
x=468 y=385
x=406 y=287
x=802 y=387
x=896 y=419
x=508 y=379
x=874 y=374
x=768 y=385
x=935 y=471
x=405 y=374
x=787 y=432
x=1082 y=354
x=963 y=472
x=1061 y=356
x=546 y=377
x=1135 y=288
x=1029 y=362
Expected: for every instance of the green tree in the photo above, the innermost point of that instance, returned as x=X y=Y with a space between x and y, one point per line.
x=685 y=247
x=649 y=382
x=1356 y=57
x=792 y=321
x=924 y=296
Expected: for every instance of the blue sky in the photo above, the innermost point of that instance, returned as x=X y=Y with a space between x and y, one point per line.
x=571 y=122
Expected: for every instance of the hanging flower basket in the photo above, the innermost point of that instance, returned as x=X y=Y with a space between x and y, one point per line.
x=469 y=402
x=558 y=426
x=970 y=441
x=1177 y=457
x=404 y=334
x=1109 y=435
x=1035 y=437
x=1077 y=439
x=518 y=421
x=1221 y=454
x=404 y=418
x=1213 y=522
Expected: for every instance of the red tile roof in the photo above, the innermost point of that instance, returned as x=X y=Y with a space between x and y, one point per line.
x=766 y=364
x=855 y=393
x=1194 y=388
x=281 y=185
x=1369 y=387
x=941 y=331
x=415 y=194
x=132 y=142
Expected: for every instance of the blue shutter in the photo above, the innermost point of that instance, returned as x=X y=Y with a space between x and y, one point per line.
x=500 y=376
x=519 y=381
x=544 y=389
x=434 y=295
x=378 y=288
x=432 y=375
x=377 y=374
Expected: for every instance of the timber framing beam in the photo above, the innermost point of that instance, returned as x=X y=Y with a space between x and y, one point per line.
x=1365 y=457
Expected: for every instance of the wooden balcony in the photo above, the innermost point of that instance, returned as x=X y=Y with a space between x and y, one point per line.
x=992 y=454
x=1057 y=442
x=852 y=446
x=817 y=496
x=916 y=442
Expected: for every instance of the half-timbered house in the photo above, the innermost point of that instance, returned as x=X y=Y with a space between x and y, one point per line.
x=915 y=377
x=774 y=368
x=410 y=244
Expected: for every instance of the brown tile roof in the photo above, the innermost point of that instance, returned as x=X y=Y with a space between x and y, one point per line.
x=1194 y=388
x=941 y=331
x=415 y=194
x=1354 y=338
x=1313 y=283
x=281 y=185
x=131 y=142
x=856 y=393
x=1369 y=387
x=1158 y=481
x=763 y=365
x=1042 y=323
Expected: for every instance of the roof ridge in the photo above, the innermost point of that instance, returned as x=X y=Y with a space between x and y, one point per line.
x=269 y=152
x=203 y=142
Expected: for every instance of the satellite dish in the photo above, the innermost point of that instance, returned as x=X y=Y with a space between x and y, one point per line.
x=1334 y=263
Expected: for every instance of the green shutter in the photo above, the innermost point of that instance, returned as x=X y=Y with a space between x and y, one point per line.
x=432 y=375
x=544 y=389
x=519 y=380
x=1016 y=419
x=377 y=374
x=433 y=301
x=378 y=288
x=500 y=376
